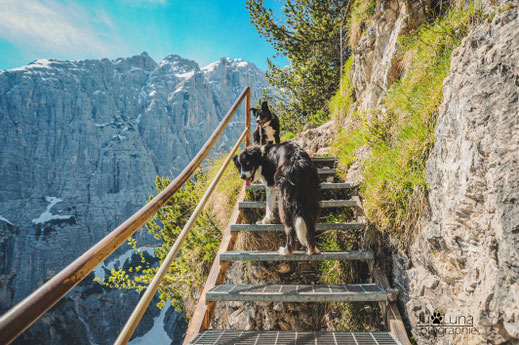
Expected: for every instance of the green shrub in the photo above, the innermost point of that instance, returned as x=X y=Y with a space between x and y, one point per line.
x=188 y=273
x=400 y=133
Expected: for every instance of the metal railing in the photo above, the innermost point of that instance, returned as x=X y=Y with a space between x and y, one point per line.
x=26 y=312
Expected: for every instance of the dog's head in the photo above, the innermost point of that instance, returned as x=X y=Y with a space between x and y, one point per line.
x=262 y=115
x=248 y=163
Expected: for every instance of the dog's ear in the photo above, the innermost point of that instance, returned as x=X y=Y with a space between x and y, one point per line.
x=254 y=152
x=254 y=111
x=236 y=162
x=265 y=106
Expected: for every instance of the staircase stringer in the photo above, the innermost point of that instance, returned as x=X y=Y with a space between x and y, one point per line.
x=204 y=310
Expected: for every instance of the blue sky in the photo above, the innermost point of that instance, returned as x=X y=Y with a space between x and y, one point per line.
x=201 y=30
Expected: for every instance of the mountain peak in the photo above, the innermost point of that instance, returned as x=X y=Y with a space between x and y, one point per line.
x=226 y=62
x=181 y=67
x=143 y=60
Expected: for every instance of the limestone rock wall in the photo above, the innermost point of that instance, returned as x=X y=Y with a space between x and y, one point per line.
x=461 y=265
x=464 y=259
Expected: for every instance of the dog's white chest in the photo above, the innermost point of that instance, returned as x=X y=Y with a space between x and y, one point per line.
x=259 y=176
x=269 y=132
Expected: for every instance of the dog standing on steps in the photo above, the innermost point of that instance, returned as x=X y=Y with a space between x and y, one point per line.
x=267 y=130
x=287 y=171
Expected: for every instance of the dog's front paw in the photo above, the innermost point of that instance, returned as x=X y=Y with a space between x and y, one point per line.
x=264 y=221
x=284 y=251
x=312 y=251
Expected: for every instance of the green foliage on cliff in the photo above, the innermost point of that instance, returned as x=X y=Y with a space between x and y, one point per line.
x=343 y=98
x=360 y=17
x=308 y=35
x=188 y=273
x=400 y=133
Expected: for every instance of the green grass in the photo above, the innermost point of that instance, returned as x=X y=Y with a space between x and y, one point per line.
x=343 y=98
x=287 y=136
x=400 y=134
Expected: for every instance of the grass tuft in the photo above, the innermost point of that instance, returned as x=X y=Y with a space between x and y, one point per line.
x=343 y=98
x=400 y=133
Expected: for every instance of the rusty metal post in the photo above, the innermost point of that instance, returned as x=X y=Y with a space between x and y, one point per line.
x=247 y=118
x=148 y=295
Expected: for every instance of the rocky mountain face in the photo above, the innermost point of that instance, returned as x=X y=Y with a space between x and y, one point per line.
x=81 y=143
x=462 y=259
x=465 y=258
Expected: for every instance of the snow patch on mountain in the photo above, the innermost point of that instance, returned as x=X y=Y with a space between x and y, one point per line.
x=3 y=219
x=157 y=334
x=47 y=216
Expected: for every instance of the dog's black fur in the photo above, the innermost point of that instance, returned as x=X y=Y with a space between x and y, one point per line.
x=267 y=130
x=286 y=170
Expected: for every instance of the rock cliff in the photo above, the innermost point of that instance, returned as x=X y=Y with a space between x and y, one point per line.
x=81 y=143
x=463 y=261
x=460 y=267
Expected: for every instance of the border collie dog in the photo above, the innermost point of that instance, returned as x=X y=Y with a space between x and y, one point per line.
x=267 y=130
x=289 y=175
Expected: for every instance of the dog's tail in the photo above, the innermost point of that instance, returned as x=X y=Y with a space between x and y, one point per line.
x=300 y=196
x=305 y=231
x=301 y=231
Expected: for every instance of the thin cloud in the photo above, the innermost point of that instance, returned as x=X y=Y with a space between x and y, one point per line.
x=55 y=27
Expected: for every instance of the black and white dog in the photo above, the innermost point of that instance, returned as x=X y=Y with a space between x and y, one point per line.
x=288 y=173
x=267 y=130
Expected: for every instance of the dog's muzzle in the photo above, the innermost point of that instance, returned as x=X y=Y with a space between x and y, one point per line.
x=248 y=176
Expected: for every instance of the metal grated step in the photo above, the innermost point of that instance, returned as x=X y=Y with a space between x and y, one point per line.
x=324 y=186
x=297 y=256
x=280 y=227
x=326 y=171
x=298 y=293
x=323 y=159
x=232 y=337
x=324 y=204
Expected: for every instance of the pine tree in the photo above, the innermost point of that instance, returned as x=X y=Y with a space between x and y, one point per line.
x=309 y=37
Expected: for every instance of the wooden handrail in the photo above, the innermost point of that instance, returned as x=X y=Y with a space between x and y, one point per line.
x=20 y=317
x=145 y=300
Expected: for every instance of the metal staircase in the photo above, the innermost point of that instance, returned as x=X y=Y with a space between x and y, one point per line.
x=216 y=337
x=366 y=292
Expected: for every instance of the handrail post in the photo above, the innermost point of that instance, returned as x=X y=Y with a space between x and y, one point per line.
x=247 y=118
x=148 y=295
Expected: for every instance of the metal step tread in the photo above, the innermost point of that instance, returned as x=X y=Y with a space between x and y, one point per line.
x=324 y=186
x=323 y=159
x=281 y=227
x=236 y=337
x=298 y=293
x=326 y=171
x=324 y=204
x=236 y=255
